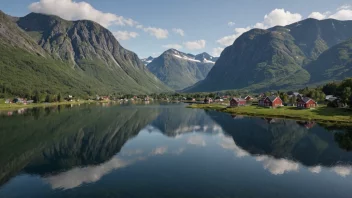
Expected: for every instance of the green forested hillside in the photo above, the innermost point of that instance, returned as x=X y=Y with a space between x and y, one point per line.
x=276 y=58
x=80 y=58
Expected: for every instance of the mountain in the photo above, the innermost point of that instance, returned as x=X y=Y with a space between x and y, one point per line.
x=179 y=70
x=148 y=60
x=334 y=64
x=275 y=58
x=47 y=53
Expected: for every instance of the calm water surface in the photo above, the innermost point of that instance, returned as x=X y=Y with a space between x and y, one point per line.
x=169 y=151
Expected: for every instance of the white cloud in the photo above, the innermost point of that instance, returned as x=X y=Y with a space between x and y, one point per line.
x=196 y=140
x=315 y=169
x=342 y=13
x=172 y=46
x=159 y=151
x=70 y=10
x=217 y=51
x=125 y=35
x=195 y=45
x=277 y=166
x=90 y=174
x=317 y=15
x=228 y=40
x=179 y=31
x=157 y=32
x=228 y=144
x=230 y=24
x=274 y=18
x=345 y=7
x=343 y=171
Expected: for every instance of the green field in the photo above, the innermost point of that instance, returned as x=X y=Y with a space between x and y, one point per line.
x=10 y=107
x=322 y=113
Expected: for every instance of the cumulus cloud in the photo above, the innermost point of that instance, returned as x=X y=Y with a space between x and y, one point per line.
x=179 y=31
x=230 y=24
x=274 y=18
x=315 y=169
x=90 y=174
x=125 y=35
x=228 y=40
x=228 y=144
x=343 y=171
x=70 y=10
x=196 y=140
x=173 y=46
x=277 y=166
x=317 y=15
x=342 y=13
x=195 y=45
x=159 y=151
x=157 y=32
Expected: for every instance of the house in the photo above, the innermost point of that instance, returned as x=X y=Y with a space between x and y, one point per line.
x=193 y=99
x=248 y=98
x=7 y=101
x=208 y=100
x=336 y=103
x=306 y=103
x=236 y=102
x=271 y=101
x=146 y=98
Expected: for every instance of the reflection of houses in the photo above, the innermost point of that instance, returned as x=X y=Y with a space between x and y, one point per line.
x=270 y=120
x=237 y=117
x=271 y=101
x=306 y=103
x=306 y=124
x=236 y=102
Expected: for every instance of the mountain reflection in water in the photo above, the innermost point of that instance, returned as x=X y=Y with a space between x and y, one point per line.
x=70 y=148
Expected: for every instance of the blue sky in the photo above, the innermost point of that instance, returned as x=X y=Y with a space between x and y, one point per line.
x=151 y=27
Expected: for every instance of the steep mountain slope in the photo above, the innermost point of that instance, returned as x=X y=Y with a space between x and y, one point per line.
x=275 y=58
x=80 y=57
x=179 y=70
x=334 y=64
x=148 y=60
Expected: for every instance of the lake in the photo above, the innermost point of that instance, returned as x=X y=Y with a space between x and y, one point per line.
x=169 y=151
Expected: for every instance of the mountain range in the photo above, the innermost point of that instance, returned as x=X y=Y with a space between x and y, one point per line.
x=283 y=57
x=48 y=54
x=179 y=70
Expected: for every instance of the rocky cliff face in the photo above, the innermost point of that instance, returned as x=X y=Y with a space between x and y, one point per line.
x=179 y=70
x=94 y=57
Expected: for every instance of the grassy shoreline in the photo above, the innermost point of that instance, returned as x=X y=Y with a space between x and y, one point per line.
x=12 y=107
x=320 y=114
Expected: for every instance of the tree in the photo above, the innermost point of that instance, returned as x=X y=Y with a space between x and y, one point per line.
x=346 y=95
x=59 y=98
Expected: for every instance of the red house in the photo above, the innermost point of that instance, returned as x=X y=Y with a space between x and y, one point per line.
x=271 y=101
x=236 y=102
x=306 y=103
x=248 y=98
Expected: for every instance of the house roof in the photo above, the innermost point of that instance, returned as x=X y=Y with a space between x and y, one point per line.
x=306 y=99
x=272 y=98
x=239 y=99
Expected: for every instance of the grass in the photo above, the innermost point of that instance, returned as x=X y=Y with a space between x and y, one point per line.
x=9 y=107
x=319 y=114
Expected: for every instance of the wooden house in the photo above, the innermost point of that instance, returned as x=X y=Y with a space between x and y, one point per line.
x=271 y=101
x=306 y=103
x=248 y=98
x=236 y=102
